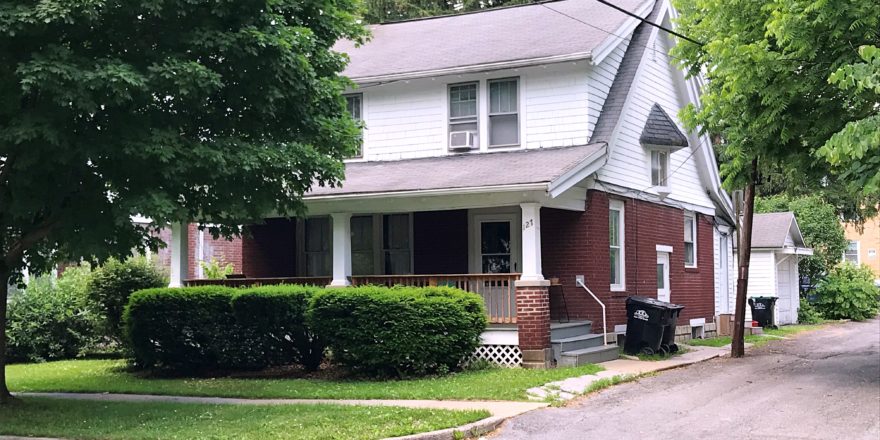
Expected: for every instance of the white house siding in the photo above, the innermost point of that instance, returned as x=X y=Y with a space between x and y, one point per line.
x=628 y=165
x=408 y=119
x=730 y=295
x=600 y=78
x=762 y=276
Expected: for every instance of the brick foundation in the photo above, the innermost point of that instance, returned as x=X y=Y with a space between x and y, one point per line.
x=533 y=323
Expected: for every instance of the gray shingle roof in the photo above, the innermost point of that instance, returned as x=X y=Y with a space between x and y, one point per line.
x=612 y=109
x=660 y=129
x=769 y=230
x=493 y=36
x=532 y=166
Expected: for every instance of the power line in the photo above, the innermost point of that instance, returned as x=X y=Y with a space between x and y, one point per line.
x=643 y=20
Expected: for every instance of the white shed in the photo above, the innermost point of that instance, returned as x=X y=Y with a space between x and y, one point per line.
x=777 y=244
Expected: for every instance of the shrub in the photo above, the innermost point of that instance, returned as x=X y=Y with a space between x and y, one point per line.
x=52 y=318
x=807 y=313
x=400 y=332
x=273 y=320
x=848 y=293
x=183 y=329
x=111 y=286
x=214 y=270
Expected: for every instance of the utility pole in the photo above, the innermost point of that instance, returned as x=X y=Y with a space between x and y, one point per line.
x=745 y=211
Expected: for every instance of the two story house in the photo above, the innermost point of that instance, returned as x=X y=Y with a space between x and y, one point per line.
x=531 y=154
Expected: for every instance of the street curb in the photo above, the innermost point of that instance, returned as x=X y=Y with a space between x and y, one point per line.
x=471 y=430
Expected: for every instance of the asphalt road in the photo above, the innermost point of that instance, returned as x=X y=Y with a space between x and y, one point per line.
x=823 y=384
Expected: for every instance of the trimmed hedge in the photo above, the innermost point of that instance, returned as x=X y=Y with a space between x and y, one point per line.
x=402 y=331
x=213 y=328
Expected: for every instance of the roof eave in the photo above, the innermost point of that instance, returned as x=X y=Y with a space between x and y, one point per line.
x=538 y=186
x=475 y=68
x=613 y=40
x=579 y=172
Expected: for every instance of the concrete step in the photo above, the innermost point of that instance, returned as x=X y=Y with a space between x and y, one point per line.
x=592 y=355
x=577 y=342
x=561 y=330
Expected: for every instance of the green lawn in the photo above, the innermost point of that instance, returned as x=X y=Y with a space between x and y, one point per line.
x=757 y=340
x=110 y=376
x=126 y=420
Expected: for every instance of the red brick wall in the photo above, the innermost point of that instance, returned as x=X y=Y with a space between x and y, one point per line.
x=576 y=243
x=440 y=243
x=533 y=318
x=225 y=251
x=269 y=249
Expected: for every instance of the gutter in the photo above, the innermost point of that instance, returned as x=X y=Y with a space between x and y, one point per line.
x=542 y=186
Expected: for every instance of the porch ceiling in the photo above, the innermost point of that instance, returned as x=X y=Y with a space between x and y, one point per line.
x=540 y=167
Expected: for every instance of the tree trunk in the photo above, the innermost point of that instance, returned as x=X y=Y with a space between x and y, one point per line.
x=737 y=346
x=5 y=396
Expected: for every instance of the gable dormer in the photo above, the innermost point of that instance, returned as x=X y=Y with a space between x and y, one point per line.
x=660 y=138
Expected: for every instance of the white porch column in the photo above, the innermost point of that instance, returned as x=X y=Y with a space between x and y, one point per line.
x=531 y=242
x=341 y=249
x=179 y=254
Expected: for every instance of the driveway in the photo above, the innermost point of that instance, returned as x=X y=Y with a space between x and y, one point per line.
x=823 y=384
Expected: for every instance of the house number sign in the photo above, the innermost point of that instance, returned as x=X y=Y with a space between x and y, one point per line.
x=528 y=224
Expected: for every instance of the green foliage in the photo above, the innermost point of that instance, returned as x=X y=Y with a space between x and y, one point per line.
x=399 y=332
x=379 y=11
x=768 y=94
x=214 y=270
x=273 y=318
x=52 y=318
x=807 y=313
x=820 y=226
x=112 y=284
x=848 y=293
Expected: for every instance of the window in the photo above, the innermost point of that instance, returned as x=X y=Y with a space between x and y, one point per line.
x=616 y=244
x=463 y=109
x=659 y=167
x=362 y=258
x=495 y=247
x=355 y=106
x=851 y=254
x=396 y=244
x=317 y=247
x=690 y=240
x=503 y=112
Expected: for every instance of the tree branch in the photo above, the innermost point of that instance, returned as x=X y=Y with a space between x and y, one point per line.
x=28 y=239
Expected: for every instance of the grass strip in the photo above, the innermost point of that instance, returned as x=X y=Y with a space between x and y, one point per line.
x=150 y=420
x=111 y=376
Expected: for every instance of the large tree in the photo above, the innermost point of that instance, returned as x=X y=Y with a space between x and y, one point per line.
x=787 y=89
x=214 y=111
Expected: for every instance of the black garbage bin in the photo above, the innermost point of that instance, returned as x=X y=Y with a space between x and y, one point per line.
x=670 y=318
x=645 y=318
x=762 y=310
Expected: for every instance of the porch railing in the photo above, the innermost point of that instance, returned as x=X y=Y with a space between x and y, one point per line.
x=497 y=289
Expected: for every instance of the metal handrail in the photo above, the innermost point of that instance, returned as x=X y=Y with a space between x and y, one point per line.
x=604 y=322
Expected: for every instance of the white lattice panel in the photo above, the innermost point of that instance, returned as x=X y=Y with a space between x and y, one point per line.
x=503 y=355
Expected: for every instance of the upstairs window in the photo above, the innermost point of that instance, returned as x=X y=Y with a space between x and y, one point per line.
x=616 y=244
x=851 y=253
x=503 y=112
x=690 y=240
x=355 y=106
x=659 y=168
x=463 y=108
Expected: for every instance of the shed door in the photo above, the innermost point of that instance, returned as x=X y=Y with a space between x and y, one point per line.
x=786 y=288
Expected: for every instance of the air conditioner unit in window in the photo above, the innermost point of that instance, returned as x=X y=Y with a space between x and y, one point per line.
x=462 y=140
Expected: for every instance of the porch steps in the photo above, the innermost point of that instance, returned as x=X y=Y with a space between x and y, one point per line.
x=562 y=330
x=592 y=355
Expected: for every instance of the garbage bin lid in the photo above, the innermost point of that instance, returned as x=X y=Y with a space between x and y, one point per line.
x=646 y=301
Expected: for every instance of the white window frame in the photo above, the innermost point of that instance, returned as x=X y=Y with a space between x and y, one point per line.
x=664 y=180
x=489 y=113
x=693 y=218
x=360 y=118
x=858 y=252
x=463 y=119
x=619 y=206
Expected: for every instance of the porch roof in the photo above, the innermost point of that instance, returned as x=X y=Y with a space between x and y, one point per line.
x=546 y=167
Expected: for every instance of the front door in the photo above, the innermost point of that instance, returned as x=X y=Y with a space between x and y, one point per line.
x=495 y=245
x=663 y=276
x=786 y=290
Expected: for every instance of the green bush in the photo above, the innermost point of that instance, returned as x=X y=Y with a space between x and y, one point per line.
x=807 y=313
x=52 y=318
x=112 y=284
x=183 y=329
x=403 y=331
x=848 y=293
x=273 y=320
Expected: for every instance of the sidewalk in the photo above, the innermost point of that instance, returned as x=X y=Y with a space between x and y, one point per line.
x=622 y=369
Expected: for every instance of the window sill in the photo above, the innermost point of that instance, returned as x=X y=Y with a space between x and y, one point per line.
x=618 y=288
x=691 y=269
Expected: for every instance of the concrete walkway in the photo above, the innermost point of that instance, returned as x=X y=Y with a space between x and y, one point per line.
x=622 y=369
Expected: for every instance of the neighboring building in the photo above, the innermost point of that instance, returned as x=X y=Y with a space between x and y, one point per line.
x=863 y=246
x=509 y=148
x=777 y=244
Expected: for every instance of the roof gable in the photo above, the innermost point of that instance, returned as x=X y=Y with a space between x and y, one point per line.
x=661 y=130
x=491 y=38
x=772 y=230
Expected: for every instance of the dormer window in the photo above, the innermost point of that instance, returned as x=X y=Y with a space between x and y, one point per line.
x=661 y=137
x=659 y=167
